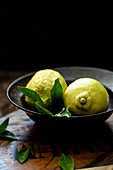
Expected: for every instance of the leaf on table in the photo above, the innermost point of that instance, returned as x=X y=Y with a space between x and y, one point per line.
x=4 y=125
x=23 y=154
x=33 y=95
x=66 y=162
x=56 y=97
x=7 y=134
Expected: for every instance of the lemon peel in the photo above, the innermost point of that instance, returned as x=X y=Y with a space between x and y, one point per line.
x=86 y=96
x=42 y=83
x=83 y=101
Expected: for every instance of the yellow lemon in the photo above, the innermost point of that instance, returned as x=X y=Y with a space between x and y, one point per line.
x=86 y=96
x=42 y=82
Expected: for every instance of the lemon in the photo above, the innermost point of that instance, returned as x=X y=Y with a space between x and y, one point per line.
x=42 y=82
x=86 y=96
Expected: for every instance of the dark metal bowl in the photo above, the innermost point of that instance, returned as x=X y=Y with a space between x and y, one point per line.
x=70 y=74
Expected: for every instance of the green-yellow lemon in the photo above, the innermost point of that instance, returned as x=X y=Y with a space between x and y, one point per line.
x=86 y=96
x=42 y=82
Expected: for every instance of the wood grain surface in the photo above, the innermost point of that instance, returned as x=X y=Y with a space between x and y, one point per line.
x=7 y=77
x=90 y=147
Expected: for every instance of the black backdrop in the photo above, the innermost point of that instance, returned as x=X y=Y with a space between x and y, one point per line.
x=52 y=35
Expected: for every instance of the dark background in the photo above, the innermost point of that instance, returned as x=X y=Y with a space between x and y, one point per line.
x=46 y=35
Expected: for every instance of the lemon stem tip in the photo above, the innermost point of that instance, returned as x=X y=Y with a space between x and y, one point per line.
x=82 y=100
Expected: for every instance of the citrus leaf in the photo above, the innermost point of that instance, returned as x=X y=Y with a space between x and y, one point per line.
x=56 y=97
x=32 y=95
x=4 y=125
x=7 y=134
x=65 y=112
x=42 y=110
x=23 y=154
x=66 y=162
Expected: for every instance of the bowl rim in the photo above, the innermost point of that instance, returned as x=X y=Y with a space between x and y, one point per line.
x=58 y=117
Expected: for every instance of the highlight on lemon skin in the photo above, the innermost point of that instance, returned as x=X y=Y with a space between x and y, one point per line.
x=86 y=96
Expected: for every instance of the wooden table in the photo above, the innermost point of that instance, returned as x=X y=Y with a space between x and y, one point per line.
x=6 y=77
x=90 y=147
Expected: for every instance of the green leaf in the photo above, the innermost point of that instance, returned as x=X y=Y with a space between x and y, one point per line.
x=66 y=162
x=4 y=125
x=32 y=95
x=36 y=99
x=56 y=97
x=42 y=110
x=7 y=134
x=65 y=112
x=23 y=154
